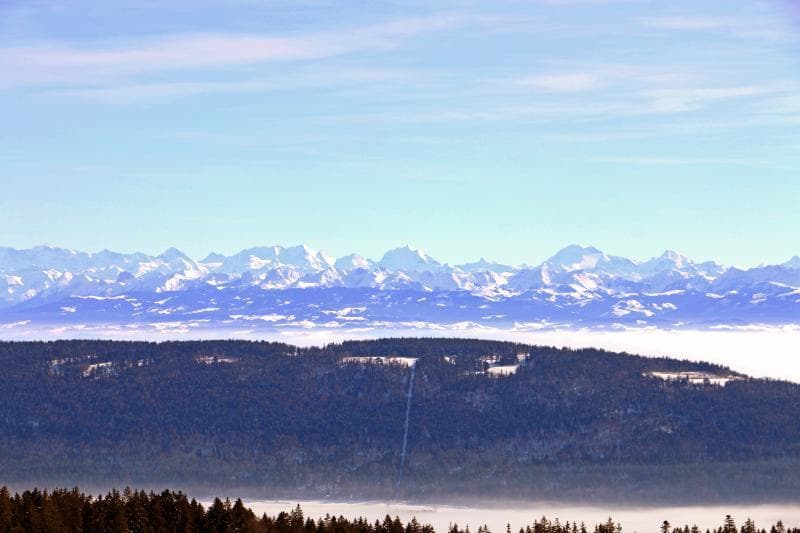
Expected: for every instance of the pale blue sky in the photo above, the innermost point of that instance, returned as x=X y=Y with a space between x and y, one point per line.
x=503 y=129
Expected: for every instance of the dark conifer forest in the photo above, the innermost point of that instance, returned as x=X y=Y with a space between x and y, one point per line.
x=276 y=420
x=135 y=511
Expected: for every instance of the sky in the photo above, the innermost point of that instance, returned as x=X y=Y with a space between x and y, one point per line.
x=502 y=129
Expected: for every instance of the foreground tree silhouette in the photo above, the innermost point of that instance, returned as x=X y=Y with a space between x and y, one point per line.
x=129 y=511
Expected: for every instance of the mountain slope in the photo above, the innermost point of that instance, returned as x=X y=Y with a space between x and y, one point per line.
x=578 y=286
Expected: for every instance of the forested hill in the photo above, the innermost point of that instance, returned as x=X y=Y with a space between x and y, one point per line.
x=485 y=418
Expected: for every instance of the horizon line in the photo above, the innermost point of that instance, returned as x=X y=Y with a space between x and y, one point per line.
x=583 y=246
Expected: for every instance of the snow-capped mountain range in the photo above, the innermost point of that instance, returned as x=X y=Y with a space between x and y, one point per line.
x=283 y=287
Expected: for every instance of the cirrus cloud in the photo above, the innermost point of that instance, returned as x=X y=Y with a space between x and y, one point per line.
x=571 y=82
x=54 y=63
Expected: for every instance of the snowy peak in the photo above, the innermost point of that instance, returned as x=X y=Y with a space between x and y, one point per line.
x=677 y=259
x=41 y=257
x=531 y=278
x=300 y=257
x=578 y=285
x=577 y=257
x=776 y=275
x=353 y=262
x=408 y=259
x=171 y=254
x=304 y=256
x=173 y=260
x=673 y=265
x=213 y=258
x=793 y=263
x=669 y=260
x=482 y=265
x=588 y=258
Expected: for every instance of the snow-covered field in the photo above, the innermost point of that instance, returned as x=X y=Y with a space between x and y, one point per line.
x=404 y=361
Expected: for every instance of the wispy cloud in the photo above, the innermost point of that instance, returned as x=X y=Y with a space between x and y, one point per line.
x=756 y=28
x=573 y=82
x=594 y=76
x=54 y=63
x=614 y=106
x=688 y=23
x=677 y=161
x=300 y=79
x=586 y=2
x=690 y=99
x=786 y=105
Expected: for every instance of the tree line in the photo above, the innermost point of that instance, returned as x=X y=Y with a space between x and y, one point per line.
x=138 y=511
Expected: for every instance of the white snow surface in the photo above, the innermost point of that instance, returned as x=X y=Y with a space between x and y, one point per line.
x=386 y=360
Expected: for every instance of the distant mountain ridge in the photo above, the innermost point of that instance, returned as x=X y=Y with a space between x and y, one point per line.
x=298 y=286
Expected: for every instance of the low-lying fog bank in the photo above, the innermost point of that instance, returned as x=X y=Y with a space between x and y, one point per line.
x=497 y=517
x=758 y=351
x=762 y=352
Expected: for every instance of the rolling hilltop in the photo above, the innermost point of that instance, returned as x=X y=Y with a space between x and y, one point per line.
x=484 y=418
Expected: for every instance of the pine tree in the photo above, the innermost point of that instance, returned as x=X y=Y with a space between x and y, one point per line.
x=296 y=519
x=116 y=521
x=730 y=525
x=242 y=519
x=217 y=518
x=6 y=509
x=413 y=526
